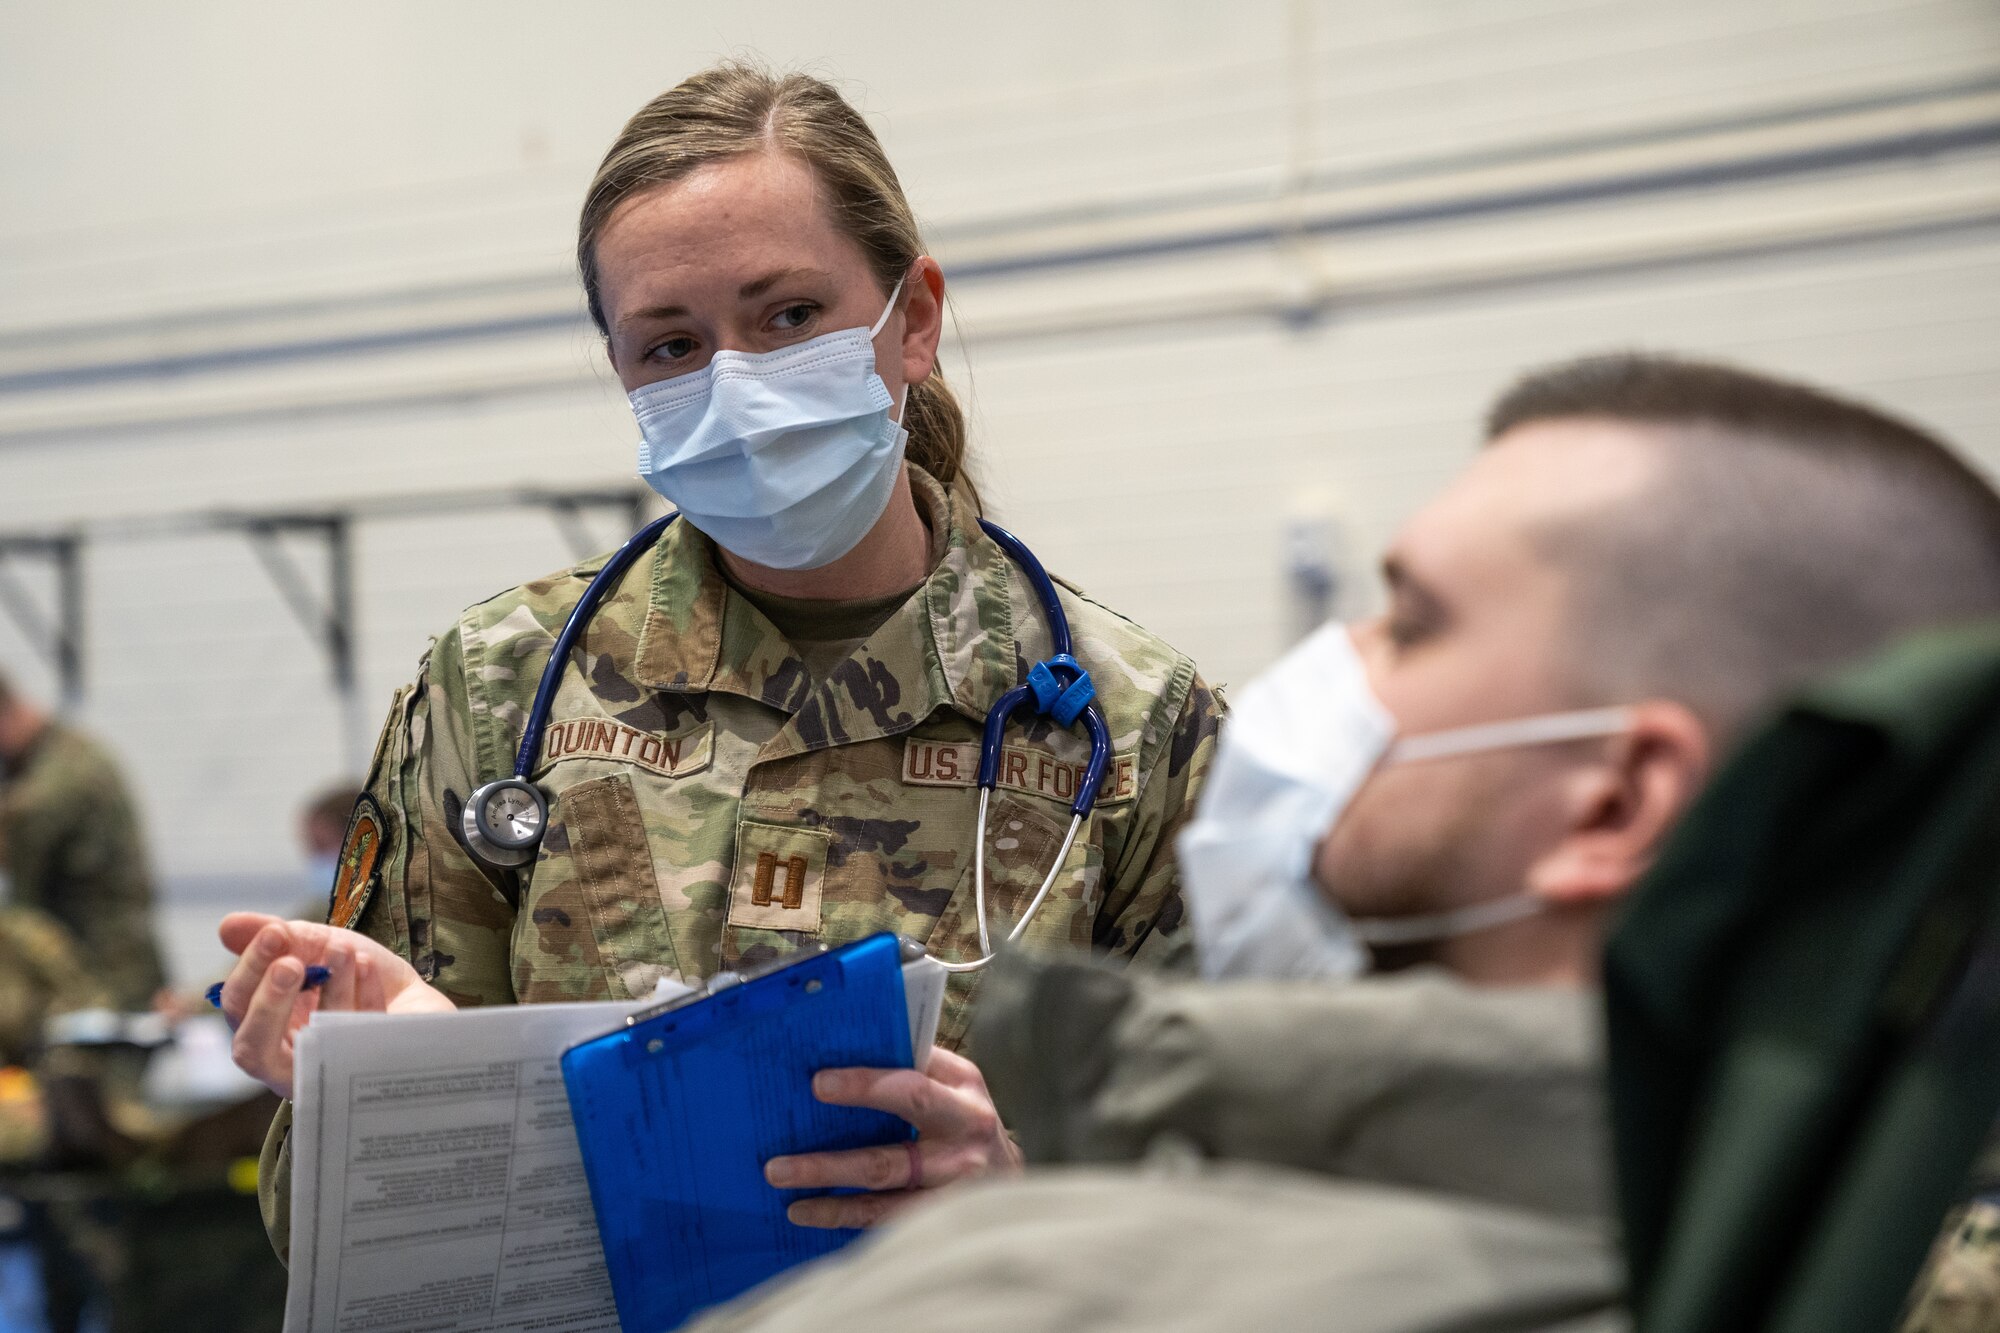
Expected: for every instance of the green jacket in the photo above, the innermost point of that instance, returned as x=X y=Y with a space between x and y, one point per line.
x=1401 y=1154
x=1804 y=1005
x=72 y=847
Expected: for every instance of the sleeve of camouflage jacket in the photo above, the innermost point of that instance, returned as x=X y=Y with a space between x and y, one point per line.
x=432 y=904
x=39 y=810
x=274 y=1182
x=1142 y=914
x=70 y=823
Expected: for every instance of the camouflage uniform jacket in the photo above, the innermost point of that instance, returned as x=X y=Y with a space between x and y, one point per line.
x=72 y=845
x=1959 y=1291
x=1959 y=1288
x=40 y=975
x=710 y=805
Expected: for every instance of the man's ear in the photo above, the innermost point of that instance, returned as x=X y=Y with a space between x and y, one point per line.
x=923 y=319
x=1620 y=809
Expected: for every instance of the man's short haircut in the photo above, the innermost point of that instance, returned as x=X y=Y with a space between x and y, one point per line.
x=332 y=806
x=1793 y=530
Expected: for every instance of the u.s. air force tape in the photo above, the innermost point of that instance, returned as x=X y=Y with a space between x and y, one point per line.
x=1023 y=768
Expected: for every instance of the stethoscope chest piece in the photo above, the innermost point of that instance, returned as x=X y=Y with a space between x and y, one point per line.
x=504 y=821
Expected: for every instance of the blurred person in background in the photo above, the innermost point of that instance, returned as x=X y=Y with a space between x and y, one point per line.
x=1646 y=557
x=767 y=737
x=322 y=827
x=71 y=846
x=45 y=1285
x=75 y=934
x=40 y=977
x=132 y=1171
x=322 y=824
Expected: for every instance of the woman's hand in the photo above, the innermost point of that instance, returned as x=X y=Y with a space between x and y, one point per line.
x=959 y=1136
x=264 y=999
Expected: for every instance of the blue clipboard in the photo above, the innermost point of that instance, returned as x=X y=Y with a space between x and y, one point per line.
x=677 y=1112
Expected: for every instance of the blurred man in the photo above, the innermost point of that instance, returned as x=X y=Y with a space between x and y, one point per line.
x=322 y=828
x=71 y=846
x=40 y=975
x=1647 y=555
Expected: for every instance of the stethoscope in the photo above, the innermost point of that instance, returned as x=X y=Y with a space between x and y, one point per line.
x=504 y=820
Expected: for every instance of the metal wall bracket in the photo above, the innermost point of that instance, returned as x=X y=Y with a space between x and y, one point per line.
x=328 y=618
x=567 y=510
x=322 y=601
x=55 y=635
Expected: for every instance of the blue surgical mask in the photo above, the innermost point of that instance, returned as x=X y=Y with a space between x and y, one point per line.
x=1300 y=741
x=321 y=867
x=787 y=458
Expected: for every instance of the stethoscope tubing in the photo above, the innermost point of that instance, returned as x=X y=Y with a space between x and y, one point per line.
x=986 y=954
x=1062 y=665
x=579 y=619
x=1003 y=710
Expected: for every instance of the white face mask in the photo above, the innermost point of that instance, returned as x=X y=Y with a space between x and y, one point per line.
x=784 y=458
x=1299 y=742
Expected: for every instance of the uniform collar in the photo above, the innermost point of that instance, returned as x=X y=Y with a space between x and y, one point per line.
x=951 y=645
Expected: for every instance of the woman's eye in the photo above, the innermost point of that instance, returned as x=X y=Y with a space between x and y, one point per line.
x=673 y=349
x=795 y=316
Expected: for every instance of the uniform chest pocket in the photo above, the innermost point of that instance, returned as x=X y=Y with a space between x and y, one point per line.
x=1023 y=839
x=592 y=924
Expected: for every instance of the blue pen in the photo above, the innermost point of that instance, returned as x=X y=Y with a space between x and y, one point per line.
x=316 y=976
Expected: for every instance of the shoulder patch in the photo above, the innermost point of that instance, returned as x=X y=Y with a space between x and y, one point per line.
x=360 y=857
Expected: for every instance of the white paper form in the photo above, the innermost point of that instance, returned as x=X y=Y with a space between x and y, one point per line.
x=436 y=1182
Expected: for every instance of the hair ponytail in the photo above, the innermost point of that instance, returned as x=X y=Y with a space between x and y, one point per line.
x=936 y=424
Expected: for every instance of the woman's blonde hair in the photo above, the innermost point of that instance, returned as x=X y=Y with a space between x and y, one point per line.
x=733 y=109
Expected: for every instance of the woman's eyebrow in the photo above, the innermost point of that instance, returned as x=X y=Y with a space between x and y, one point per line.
x=748 y=291
x=651 y=312
x=764 y=284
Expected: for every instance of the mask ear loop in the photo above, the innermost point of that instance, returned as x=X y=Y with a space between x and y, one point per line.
x=882 y=322
x=1575 y=725
x=889 y=309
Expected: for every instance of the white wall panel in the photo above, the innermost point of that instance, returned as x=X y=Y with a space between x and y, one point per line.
x=1180 y=453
